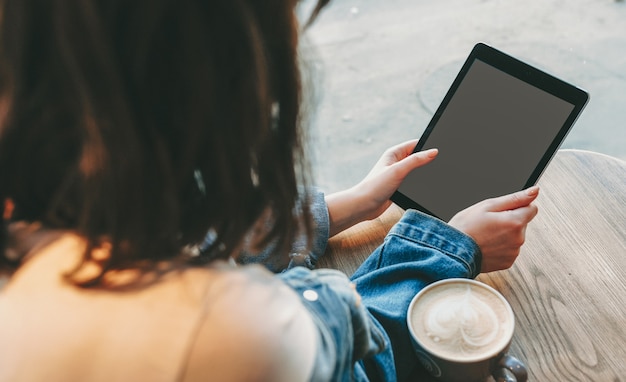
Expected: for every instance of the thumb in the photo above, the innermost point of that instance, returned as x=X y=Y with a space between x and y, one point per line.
x=415 y=160
x=515 y=200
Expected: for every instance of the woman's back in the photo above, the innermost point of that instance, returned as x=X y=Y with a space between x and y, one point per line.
x=215 y=323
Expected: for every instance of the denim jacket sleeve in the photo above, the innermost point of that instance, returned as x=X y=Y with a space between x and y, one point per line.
x=300 y=255
x=427 y=246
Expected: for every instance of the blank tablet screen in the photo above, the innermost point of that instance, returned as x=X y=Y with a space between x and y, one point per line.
x=491 y=135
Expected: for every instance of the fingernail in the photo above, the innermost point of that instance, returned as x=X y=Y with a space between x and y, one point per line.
x=532 y=191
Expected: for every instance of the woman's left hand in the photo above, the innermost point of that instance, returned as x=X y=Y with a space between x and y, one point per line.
x=370 y=197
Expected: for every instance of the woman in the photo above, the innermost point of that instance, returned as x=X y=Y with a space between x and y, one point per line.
x=131 y=129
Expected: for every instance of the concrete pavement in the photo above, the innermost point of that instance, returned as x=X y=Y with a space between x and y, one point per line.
x=380 y=69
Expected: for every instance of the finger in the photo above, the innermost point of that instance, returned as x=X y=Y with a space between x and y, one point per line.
x=520 y=217
x=515 y=200
x=407 y=147
x=402 y=150
x=527 y=213
x=418 y=159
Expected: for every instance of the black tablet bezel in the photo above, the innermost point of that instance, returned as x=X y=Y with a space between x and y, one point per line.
x=524 y=72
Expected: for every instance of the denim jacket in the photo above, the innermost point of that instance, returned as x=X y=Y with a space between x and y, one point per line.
x=369 y=340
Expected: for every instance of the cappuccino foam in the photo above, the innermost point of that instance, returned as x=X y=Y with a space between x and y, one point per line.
x=462 y=321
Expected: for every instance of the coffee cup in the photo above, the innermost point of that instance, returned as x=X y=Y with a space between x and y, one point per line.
x=461 y=330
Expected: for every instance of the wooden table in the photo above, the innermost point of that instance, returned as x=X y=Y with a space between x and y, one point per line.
x=568 y=287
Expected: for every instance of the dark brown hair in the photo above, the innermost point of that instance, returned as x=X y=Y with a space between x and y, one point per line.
x=147 y=123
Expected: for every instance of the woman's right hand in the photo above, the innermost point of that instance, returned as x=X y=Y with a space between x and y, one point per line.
x=498 y=226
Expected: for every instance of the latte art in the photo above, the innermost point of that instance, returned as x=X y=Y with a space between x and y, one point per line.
x=462 y=321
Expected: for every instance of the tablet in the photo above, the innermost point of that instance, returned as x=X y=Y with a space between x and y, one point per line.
x=496 y=129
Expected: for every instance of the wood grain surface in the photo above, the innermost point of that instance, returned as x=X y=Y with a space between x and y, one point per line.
x=568 y=287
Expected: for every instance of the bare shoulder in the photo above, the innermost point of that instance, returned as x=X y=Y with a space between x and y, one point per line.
x=255 y=329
